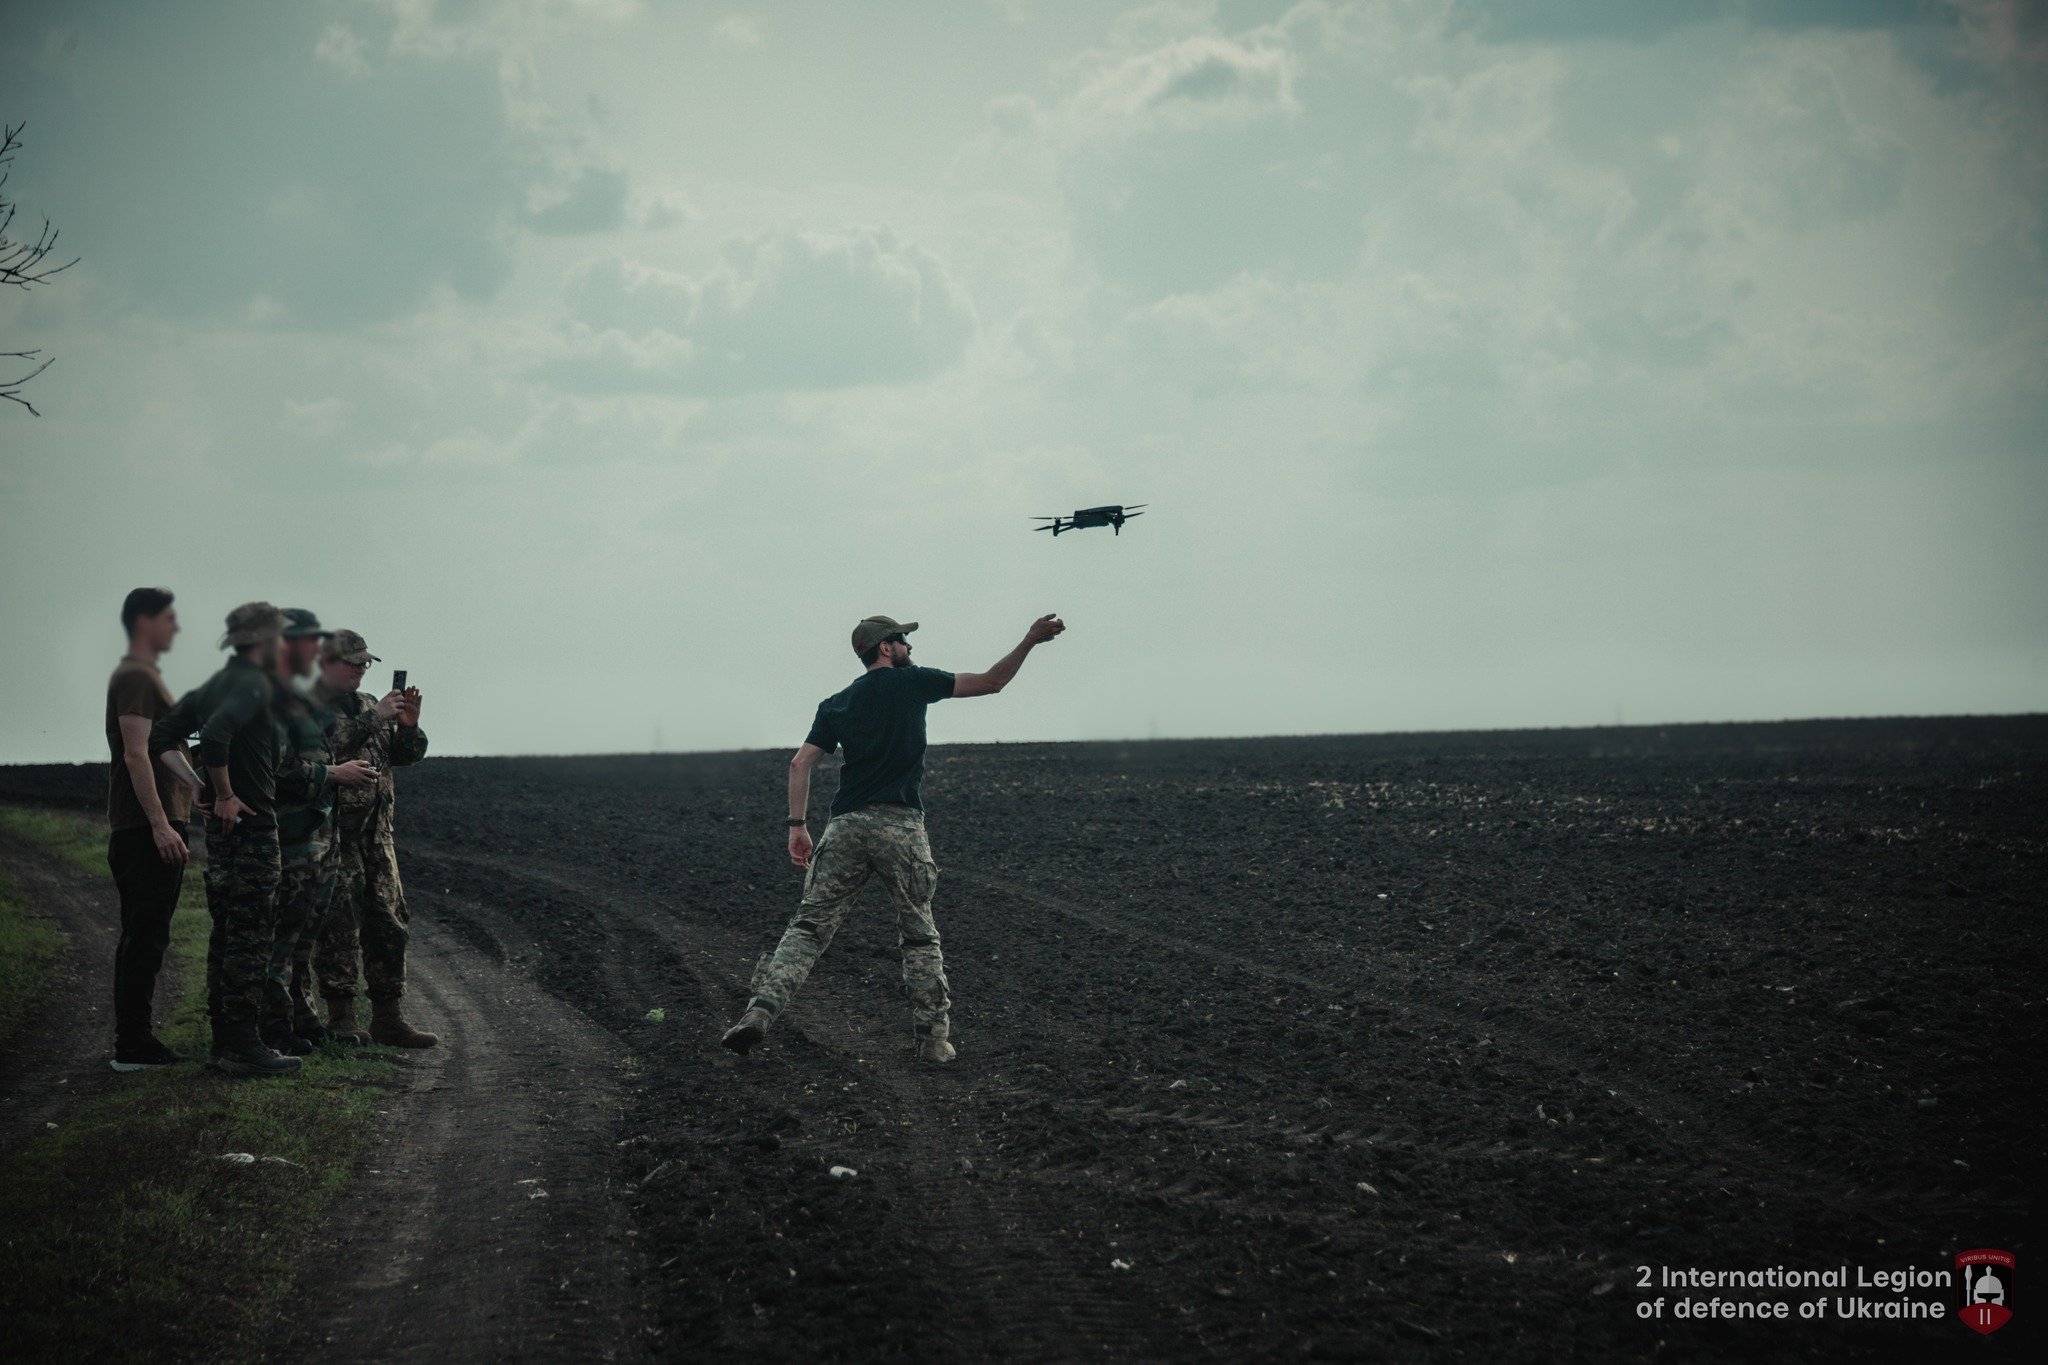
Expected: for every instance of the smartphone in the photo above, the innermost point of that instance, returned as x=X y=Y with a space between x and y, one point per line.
x=398 y=680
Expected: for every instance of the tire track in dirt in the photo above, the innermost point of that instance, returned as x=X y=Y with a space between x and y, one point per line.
x=486 y=1223
x=1026 y=1283
x=626 y=913
x=1010 y=1267
x=1005 y=1267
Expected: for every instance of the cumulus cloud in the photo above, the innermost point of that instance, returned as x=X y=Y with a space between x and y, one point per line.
x=662 y=210
x=595 y=201
x=340 y=48
x=792 y=310
x=1192 y=80
x=1633 y=21
x=1488 y=262
x=1188 y=157
x=395 y=178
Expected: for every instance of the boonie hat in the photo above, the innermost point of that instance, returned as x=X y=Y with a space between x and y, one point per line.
x=251 y=624
x=348 y=647
x=300 y=624
x=874 y=629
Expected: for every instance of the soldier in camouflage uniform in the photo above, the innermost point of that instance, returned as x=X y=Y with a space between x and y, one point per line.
x=365 y=928
x=249 y=764
x=305 y=833
x=876 y=827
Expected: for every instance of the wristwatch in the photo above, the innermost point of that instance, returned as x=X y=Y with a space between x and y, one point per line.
x=796 y=820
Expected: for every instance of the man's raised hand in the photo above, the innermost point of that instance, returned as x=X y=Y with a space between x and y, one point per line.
x=389 y=704
x=1044 y=628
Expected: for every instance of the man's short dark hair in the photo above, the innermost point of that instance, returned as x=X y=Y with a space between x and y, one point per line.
x=869 y=655
x=143 y=602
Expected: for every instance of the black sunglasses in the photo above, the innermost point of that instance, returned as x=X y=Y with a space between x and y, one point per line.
x=894 y=640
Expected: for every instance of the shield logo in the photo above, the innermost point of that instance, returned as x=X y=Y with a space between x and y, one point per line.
x=1984 y=1289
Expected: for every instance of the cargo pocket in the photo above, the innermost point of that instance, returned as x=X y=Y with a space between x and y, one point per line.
x=924 y=881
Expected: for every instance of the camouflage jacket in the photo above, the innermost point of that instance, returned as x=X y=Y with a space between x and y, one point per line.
x=235 y=717
x=353 y=731
x=303 y=816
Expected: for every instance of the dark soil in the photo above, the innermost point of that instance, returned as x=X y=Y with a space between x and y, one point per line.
x=1412 y=1045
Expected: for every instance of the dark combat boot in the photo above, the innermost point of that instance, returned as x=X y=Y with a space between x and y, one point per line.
x=341 y=1021
x=750 y=1030
x=278 y=1036
x=388 y=1026
x=239 y=1051
x=315 y=1035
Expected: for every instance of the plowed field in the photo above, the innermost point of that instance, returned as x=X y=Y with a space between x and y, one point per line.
x=1416 y=1045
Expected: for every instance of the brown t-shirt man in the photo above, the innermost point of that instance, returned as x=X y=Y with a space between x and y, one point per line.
x=137 y=689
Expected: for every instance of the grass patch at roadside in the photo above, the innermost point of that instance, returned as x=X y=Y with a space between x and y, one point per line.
x=124 y=1232
x=73 y=838
x=29 y=944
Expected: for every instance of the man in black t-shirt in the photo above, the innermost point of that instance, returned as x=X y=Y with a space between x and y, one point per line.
x=876 y=825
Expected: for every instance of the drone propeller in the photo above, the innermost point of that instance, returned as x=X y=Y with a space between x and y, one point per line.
x=1129 y=505
x=1054 y=527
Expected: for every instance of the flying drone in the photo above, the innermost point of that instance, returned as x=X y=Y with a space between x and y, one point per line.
x=1113 y=516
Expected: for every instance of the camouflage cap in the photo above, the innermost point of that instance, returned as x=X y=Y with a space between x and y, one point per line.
x=348 y=647
x=300 y=624
x=251 y=624
x=874 y=629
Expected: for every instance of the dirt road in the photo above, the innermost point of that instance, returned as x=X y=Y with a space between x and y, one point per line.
x=61 y=1055
x=487 y=1222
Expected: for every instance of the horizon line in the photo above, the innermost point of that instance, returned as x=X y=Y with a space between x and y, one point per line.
x=1220 y=739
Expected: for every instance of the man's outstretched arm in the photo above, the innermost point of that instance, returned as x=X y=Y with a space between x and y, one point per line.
x=993 y=681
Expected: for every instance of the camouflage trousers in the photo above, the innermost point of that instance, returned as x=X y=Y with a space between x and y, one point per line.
x=888 y=841
x=304 y=892
x=241 y=896
x=364 y=932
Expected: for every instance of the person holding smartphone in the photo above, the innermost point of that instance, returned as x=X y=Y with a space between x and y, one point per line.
x=305 y=828
x=364 y=933
x=249 y=762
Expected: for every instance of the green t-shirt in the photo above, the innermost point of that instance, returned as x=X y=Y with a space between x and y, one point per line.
x=880 y=721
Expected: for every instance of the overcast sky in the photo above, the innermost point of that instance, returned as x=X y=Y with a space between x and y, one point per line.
x=1526 y=362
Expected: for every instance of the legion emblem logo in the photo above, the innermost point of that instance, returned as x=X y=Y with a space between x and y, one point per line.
x=1984 y=1289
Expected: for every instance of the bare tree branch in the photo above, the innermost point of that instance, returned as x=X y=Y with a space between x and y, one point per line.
x=10 y=389
x=23 y=263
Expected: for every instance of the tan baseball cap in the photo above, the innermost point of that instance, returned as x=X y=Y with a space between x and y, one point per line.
x=348 y=647
x=874 y=629
x=251 y=624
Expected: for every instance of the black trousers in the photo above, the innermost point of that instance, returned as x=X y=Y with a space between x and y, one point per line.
x=149 y=894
